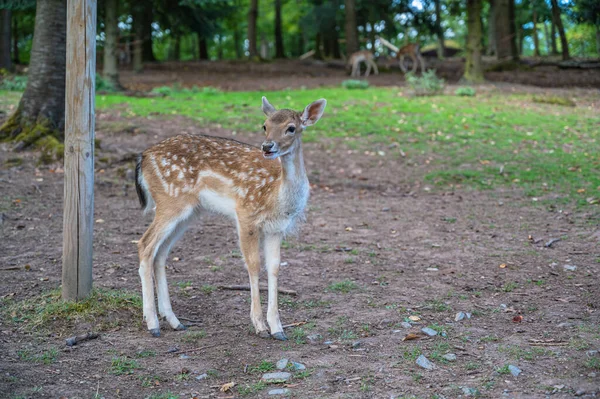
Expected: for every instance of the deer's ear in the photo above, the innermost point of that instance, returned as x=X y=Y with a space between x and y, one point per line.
x=313 y=112
x=267 y=108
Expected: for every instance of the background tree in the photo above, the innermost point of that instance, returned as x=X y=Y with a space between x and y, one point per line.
x=279 y=53
x=561 y=30
x=110 y=70
x=588 y=12
x=438 y=28
x=5 y=39
x=473 y=64
x=350 y=27
x=40 y=115
x=504 y=24
x=252 y=17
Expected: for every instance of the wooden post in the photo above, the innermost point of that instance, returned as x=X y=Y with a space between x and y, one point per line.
x=78 y=218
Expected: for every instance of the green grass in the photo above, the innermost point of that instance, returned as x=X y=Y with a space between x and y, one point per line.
x=123 y=365
x=47 y=356
x=493 y=139
x=251 y=389
x=193 y=336
x=48 y=310
x=344 y=286
x=263 y=367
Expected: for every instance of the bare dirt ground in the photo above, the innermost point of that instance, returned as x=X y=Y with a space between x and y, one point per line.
x=294 y=74
x=409 y=249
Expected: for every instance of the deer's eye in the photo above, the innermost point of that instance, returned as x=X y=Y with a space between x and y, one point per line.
x=291 y=129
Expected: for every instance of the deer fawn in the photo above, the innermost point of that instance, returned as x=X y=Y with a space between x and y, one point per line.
x=263 y=190
x=362 y=56
x=412 y=50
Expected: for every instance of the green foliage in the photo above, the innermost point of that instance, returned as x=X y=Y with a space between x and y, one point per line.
x=14 y=83
x=45 y=357
x=344 y=286
x=163 y=90
x=123 y=365
x=465 y=91
x=555 y=100
x=352 y=84
x=426 y=85
x=263 y=367
x=103 y=85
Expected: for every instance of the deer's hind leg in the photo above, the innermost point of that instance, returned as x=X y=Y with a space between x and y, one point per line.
x=149 y=246
x=178 y=228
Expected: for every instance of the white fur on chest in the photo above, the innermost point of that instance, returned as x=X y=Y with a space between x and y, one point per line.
x=292 y=204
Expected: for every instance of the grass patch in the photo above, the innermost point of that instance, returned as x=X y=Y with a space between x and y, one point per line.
x=518 y=353
x=437 y=305
x=193 y=336
x=593 y=363
x=105 y=308
x=123 y=365
x=353 y=84
x=298 y=334
x=510 y=286
x=428 y=84
x=251 y=389
x=465 y=91
x=208 y=289
x=554 y=100
x=47 y=356
x=344 y=286
x=263 y=367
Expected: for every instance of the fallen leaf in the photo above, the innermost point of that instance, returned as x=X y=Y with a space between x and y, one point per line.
x=99 y=221
x=348 y=228
x=503 y=266
x=410 y=337
x=414 y=318
x=517 y=319
x=227 y=387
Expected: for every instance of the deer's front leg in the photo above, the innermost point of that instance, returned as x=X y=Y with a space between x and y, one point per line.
x=272 y=247
x=249 y=245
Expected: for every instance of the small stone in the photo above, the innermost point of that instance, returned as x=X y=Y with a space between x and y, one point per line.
x=433 y=269
x=298 y=366
x=282 y=364
x=514 y=370
x=459 y=316
x=468 y=391
x=281 y=376
x=425 y=363
x=184 y=357
x=283 y=264
x=580 y=392
x=591 y=353
x=592 y=375
x=405 y=324
x=565 y=325
x=429 y=331
x=202 y=377
x=327 y=342
x=356 y=344
x=279 y=391
x=386 y=209
x=314 y=338
x=385 y=323
x=570 y=268
x=450 y=357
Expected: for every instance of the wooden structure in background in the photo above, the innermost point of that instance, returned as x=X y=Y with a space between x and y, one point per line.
x=78 y=217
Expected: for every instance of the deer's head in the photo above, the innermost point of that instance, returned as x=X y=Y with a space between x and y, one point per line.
x=283 y=128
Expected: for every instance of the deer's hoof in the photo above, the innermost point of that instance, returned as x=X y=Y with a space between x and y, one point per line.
x=280 y=336
x=263 y=334
x=155 y=332
x=181 y=327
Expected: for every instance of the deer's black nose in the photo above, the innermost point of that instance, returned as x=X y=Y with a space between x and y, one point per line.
x=268 y=146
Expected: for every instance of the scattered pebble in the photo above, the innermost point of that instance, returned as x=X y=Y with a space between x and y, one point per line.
x=282 y=364
x=462 y=315
x=279 y=391
x=468 y=391
x=386 y=209
x=202 y=377
x=283 y=264
x=281 y=376
x=425 y=363
x=433 y=269
x=356 y=344
x=564 y=325
x=580 y=392
x=429 y=331
x=385 y=323
x=450 y=357
x=591 y=353
x=184 y=357
x=405 y=324
x=314 y=338
x=514 y=370
x=327 y=342
x=298 y=366
x=570 y=268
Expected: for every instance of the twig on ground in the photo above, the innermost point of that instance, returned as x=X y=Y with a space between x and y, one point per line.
x=552 y=241
x=195 y=349
x=296 y=324
x=80 y=338
x=191 y=320
x=247 y=288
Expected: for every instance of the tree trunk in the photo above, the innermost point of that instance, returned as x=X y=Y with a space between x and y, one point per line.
x=351 y=31
x=279 y=53
x=40 y=117
x=138 y=39
x=561 y=29
x=203 y=48
x=473 y=66
x=547 y=39
x=502 y=29
x=553 y=37
x=236 y=43
x=438 y=29
x=220 y=48
x=336 y=44
x=513 y=30
x=15 y=38
x=318 y=55
x=252 y=16
x=536 y=42
x=111 y=35
x=148 y=18
x=177 y=48
x=598 y=39
x=491 y=50
x=5 y=42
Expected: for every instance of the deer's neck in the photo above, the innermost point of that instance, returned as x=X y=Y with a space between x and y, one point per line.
x=293 y=194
